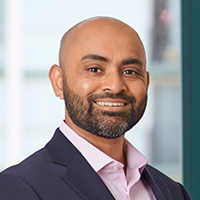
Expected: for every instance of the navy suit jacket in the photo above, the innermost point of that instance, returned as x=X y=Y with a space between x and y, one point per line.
x=60 y=172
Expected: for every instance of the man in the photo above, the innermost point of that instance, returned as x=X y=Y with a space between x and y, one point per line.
x=103 y=80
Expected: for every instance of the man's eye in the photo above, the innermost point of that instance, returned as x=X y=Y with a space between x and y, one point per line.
x=129 y=72
x=94 y=69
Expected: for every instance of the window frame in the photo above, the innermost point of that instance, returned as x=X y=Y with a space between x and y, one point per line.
x=191 y=95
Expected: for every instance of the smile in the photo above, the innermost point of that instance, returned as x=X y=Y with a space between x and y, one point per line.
x=111 y=104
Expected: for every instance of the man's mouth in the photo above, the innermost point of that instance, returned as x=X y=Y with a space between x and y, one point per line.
x=110 y=104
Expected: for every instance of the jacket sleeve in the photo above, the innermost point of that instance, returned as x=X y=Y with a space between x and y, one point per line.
x=13 y=188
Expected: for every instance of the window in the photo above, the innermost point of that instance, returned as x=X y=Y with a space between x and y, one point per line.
x=40 y=112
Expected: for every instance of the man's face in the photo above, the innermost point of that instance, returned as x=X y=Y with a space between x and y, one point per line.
x=104 y=81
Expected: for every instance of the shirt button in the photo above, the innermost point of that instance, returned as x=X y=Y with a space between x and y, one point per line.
x=115 y=167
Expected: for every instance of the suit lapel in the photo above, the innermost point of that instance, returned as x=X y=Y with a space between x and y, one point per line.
x=82 y=178
x=78 y=174
x=157 y=185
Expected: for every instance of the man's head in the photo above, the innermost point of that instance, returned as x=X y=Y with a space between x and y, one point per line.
x=102 y=77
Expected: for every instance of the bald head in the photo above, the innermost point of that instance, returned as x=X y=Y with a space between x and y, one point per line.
x=113 y=30
x=102 y=77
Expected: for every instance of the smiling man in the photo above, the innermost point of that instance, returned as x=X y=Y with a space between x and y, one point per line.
x=103 y=80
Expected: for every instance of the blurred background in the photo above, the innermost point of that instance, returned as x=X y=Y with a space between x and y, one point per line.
x=30 y=33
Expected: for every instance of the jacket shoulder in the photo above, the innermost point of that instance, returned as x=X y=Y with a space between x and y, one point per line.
x=12 y=187
x=18 y=181
x=29 y=165
x=175 y=189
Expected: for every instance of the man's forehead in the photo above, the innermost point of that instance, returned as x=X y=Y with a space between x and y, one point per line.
x=102 y=28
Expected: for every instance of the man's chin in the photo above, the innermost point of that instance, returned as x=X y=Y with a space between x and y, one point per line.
x=117 y=114
x=111 y=128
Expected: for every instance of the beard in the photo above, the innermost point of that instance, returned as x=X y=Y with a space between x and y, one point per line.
x=106 y=124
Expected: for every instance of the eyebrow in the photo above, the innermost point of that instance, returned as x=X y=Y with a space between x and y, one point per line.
x=95 y=57
x=132 y=61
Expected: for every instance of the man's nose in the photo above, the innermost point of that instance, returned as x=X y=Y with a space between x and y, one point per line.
x=113 y=82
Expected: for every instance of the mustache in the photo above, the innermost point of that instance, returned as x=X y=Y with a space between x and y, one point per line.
x=129 y=99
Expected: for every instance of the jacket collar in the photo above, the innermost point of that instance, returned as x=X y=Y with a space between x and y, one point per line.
x=78 y=173
x=84 y=180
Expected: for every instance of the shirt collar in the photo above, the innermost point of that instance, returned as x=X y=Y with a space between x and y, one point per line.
x=135 y=159
x=98 y=159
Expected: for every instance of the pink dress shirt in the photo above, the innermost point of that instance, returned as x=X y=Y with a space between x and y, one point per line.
x=122 y=187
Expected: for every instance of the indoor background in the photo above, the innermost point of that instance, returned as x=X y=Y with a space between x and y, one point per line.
x=30 y=33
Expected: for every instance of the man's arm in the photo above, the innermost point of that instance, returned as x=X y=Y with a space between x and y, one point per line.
x=13 y=188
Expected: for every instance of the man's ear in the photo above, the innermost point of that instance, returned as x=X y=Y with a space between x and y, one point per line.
x=55 y=76
x=147 y=79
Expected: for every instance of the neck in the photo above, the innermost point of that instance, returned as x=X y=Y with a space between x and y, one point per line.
x=112 y=147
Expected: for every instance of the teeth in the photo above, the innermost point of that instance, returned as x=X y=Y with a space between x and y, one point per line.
x=110 y=104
